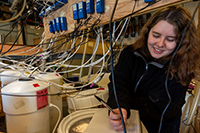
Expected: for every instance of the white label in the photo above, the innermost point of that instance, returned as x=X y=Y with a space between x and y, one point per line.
x=19 y=104
x=80 y=6
x=53 y=22
x=74 y=7
x=57 y=20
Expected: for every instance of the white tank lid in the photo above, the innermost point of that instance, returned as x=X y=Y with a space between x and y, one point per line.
x=85 y=99
x=48 y=76
x=12 y=76
x=21 y=96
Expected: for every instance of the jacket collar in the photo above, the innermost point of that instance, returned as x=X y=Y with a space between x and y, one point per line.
x=152 y=62
x=146 y=56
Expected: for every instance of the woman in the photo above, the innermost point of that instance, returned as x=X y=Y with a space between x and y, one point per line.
x=141 y=71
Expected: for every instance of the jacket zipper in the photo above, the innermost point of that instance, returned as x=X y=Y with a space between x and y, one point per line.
x=146 y=69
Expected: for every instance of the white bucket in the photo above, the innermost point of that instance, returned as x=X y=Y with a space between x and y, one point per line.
x=85 y=99
x=76 y=121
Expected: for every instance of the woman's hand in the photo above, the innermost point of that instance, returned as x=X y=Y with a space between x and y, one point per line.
x=115 y=119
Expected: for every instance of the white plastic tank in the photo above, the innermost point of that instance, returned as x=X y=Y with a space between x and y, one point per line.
x=56 y=99
x=26 y=112
x=8 y=76
x=85 y=99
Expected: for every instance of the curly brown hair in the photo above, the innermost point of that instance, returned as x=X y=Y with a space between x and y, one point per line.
x=186 y=63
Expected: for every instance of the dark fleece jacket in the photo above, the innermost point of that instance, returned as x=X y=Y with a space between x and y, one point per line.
x=140 y=85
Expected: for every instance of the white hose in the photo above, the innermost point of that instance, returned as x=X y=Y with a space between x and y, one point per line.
x=11 y=19
x=59 y=117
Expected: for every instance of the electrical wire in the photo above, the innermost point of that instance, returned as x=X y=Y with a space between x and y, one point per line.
x=149 y=4
x=74 y=31
x=13 y=27
x=14 y=41
x=32 y=64
x=74 y=47
x=100 y=58
x=69 y=51
x=68 y=57
x=190 y=124
x=26 y=15
x=33 y=55
x=113 y=81
x=50 y=47
x=121 y=42
x=96 y=22
x=15 y=22
x=170 y=63
x=54 y=48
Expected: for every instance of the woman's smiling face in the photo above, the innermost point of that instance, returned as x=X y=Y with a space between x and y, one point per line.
x=162 y=39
